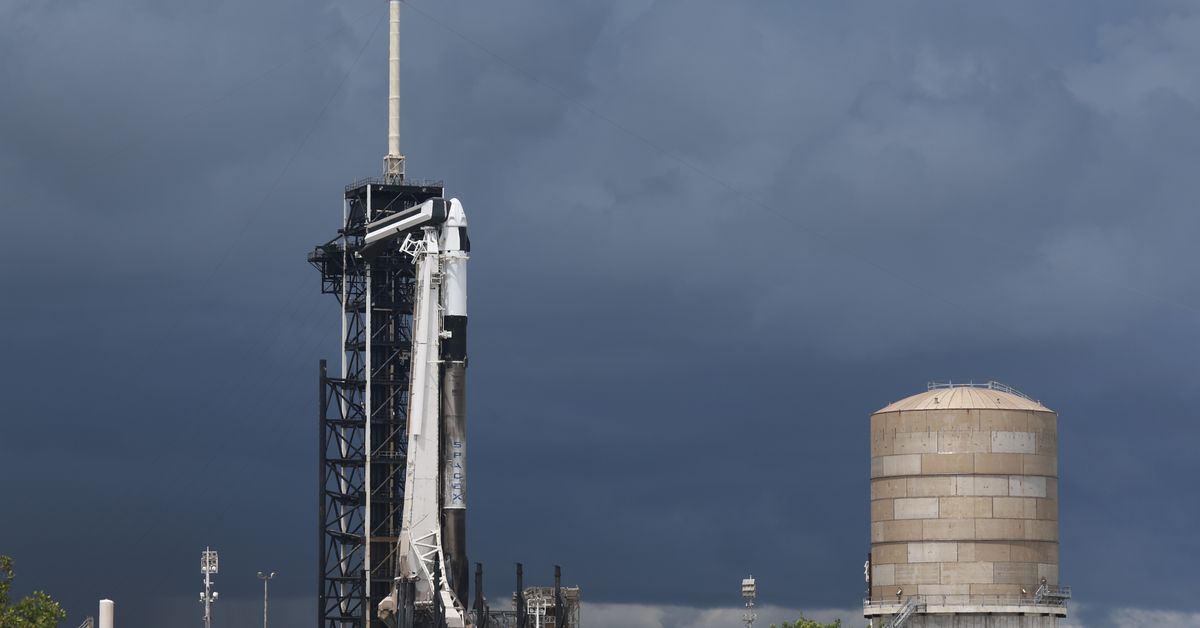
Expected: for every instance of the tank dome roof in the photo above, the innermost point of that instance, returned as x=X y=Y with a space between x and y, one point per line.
x=989 y=396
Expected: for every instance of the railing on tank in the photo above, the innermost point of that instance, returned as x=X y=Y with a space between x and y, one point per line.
x=1049 y=594
x=989 y=385
x=1058 y=599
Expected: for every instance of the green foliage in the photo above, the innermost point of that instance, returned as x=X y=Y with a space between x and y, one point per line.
x=36 y=611
x=804 y=622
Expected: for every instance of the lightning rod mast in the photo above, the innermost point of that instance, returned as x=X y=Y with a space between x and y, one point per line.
x=393 y=162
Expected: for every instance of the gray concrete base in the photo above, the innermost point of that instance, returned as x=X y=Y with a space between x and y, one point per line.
x=959 y=619
x=975 y=621
x=971 y=616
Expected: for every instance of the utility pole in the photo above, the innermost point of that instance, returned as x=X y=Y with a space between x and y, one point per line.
x=208 y=567
x=265 y=578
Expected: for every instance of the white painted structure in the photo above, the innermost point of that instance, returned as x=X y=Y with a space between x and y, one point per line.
x=106 y=613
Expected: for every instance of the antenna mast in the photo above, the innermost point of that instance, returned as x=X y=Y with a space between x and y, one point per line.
x=208 y=567
x=749 y=593
x=393 y=162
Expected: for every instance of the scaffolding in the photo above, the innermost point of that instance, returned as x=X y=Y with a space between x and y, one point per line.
x=567 y=617
x=362 y=461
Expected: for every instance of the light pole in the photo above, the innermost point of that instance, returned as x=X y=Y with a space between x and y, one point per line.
x=749 y=593
x=208 y=567
x=537 y=607
x=265 y=578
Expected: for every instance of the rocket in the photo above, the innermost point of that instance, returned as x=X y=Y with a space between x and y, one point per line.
x=433 y=535
x=455 y=249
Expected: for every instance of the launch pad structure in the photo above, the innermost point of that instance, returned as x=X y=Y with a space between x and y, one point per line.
x=377 y=304
x=363 y=408
x=392 y=480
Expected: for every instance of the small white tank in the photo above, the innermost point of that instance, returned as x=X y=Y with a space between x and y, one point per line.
x=106 y=614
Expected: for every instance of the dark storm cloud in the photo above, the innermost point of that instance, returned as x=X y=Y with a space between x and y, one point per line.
x=711 y=238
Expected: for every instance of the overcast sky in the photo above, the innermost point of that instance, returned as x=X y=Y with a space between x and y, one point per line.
x=710 y=238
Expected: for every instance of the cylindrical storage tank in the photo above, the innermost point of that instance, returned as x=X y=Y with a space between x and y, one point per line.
x=964 y=508
x=106 y=614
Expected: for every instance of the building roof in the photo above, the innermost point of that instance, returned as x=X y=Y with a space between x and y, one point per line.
x=989 y=396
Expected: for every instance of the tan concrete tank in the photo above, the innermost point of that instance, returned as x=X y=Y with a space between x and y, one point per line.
x=964 y=509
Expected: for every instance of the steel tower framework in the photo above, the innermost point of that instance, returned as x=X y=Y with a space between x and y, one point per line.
x=362 y=462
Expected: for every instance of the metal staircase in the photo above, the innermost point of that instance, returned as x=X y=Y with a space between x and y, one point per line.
x=88 y=623
x=1047 y=594
x=912 y=606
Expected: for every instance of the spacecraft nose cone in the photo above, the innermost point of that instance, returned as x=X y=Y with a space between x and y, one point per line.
x=456 y=217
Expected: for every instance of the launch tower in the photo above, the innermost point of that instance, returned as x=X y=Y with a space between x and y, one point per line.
x=364 y=405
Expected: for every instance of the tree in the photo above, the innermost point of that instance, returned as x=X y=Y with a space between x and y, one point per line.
x=36 y=611
x=804 y=622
